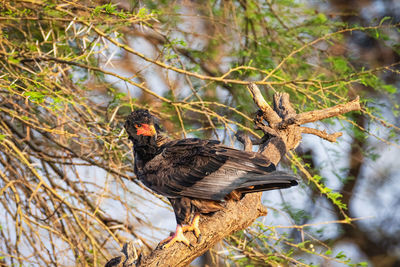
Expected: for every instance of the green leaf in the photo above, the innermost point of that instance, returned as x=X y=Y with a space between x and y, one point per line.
x=142 y=13
x=321 y=18
x=339 y=64
x=13 y=60
x=341 y=255
x=35 y=96
x=384 y=19
x=389 y=88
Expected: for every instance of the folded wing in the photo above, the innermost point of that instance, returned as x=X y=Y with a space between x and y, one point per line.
x=206 y=169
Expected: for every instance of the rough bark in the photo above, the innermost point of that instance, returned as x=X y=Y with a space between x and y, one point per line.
x=282 y=133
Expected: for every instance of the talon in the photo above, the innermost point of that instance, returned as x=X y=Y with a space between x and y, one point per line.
x=194 y=226
x=177 y=237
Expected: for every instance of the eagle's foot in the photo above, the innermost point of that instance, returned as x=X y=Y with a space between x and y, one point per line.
x=194 y=226
x=177 y=237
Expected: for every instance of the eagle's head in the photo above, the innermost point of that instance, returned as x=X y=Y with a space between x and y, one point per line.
x=141 y=126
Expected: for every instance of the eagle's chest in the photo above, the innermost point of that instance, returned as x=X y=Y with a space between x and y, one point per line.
x=150 y=173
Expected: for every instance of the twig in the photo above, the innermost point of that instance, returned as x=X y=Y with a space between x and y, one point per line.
x=323 y=134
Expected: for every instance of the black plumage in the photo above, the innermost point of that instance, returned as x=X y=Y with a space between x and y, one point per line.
x=197 y=175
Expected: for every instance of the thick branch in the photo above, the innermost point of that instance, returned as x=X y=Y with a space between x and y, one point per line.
x=269 y=114
x=283 y=106
x=317 y=115
x=287 y=128
x=237 y=215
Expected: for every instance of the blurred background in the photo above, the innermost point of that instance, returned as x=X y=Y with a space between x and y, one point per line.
x=71 y=71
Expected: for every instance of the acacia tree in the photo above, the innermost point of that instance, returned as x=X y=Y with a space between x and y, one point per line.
x=71 y=72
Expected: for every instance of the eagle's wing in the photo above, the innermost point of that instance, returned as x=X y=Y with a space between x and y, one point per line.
x=206 y=169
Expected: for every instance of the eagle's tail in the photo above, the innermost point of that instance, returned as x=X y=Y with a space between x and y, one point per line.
x=270 y=181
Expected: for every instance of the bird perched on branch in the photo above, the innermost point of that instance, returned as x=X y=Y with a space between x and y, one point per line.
x=196 y=175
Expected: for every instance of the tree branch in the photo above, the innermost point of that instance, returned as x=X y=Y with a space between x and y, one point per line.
x=317 y=115
x=269 y=114
x=323 y=134
x=287 y=127
x=237 y=215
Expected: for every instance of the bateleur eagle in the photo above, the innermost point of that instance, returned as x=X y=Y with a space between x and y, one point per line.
x=196 y=175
